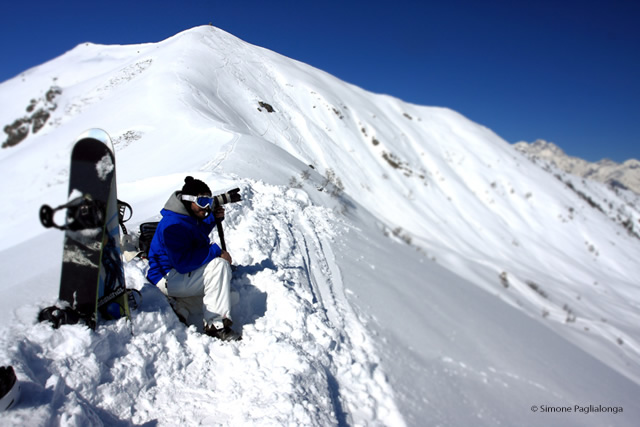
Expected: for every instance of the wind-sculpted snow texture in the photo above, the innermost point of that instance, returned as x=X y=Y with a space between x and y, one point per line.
x=396 y=264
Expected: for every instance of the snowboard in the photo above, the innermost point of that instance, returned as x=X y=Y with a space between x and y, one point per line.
x=92 y=282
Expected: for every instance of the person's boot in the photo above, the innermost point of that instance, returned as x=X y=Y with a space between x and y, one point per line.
x=225 y=333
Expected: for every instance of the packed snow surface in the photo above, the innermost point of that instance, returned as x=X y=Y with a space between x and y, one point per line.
x=395 y=264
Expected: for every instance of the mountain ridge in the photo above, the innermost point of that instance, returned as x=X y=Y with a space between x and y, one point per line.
x=442 y=228
x=625 y=175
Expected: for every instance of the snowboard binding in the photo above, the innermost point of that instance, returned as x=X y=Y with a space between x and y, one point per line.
x=58 y=316
x=124 y=210
x=82 y=213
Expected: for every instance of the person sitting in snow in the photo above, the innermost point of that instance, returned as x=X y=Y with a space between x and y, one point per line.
x=186 y=265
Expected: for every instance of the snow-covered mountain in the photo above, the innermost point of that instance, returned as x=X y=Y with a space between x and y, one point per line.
x=397 y=264
x=624 y=175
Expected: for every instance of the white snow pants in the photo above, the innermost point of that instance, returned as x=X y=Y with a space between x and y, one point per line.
x=209 y=285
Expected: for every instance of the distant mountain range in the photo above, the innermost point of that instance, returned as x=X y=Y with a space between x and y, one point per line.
x=625 y=175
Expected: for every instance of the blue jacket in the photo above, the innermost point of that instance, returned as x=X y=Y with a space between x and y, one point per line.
x=180 y=242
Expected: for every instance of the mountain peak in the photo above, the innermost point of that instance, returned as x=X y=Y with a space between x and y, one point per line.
x=625 y=174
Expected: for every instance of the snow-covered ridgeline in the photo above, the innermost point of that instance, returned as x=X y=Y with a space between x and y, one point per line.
x=365 y=218
x=621 y=175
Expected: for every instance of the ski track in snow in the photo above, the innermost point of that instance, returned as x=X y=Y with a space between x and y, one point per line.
x=305 y=358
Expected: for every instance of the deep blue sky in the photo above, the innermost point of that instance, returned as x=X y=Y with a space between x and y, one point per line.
x=564 y=71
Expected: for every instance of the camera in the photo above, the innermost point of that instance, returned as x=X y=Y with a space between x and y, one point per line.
x=231 y=196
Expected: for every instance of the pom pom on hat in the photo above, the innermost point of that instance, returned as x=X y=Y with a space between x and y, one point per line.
x=195 y=187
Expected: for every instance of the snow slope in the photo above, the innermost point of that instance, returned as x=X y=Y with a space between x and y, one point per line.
x=397 y=264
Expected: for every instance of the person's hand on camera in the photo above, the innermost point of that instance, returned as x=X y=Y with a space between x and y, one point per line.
x=218 y=212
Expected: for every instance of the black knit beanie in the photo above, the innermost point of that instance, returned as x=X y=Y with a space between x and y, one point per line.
x=195 y=187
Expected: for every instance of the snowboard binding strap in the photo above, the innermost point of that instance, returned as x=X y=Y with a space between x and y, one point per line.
x=122 y=212
x=59 y=316
x=82 y=213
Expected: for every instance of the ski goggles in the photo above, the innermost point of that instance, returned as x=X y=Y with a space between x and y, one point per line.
x=202 y=201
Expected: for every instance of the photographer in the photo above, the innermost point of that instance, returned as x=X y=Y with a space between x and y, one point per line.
x=185 y=264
